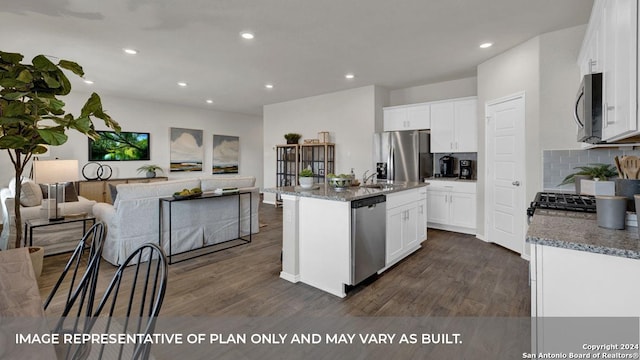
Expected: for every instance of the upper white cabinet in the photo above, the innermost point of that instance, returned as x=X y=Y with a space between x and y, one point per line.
x=454 y=126
x=611 y=47
x=407 y=117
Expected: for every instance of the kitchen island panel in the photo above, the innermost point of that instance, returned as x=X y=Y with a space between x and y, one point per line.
x=325 y=249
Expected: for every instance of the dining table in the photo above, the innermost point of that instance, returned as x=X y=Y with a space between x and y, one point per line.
x=23 y=326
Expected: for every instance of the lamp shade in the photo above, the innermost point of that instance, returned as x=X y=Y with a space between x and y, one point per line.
x=55 y=171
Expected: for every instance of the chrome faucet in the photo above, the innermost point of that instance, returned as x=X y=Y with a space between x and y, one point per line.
x=366 y=178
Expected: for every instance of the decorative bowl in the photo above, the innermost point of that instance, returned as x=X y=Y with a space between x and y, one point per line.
x=340 y=182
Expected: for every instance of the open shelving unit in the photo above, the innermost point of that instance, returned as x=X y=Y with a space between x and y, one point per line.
x=291 y=158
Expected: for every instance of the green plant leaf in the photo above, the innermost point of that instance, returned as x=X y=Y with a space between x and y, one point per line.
x=14 y=109
x=9 y=121
x=39 y=149
x=13 y=142
x=25 y=76
x=54 y=136
x=14 y=95
x=11 y=58
x=41 y=63
x=51 y=82
x=82 y=124
x=71 y=66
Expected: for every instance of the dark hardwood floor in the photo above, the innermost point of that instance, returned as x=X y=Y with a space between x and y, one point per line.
x=451 y=275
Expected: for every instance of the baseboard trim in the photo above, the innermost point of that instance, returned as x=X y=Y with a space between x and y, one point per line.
x=459 y=229
x=481 y=237
x=289 y=277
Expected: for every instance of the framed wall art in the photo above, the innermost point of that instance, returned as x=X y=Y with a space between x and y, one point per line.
x=226 y=151
x=186 y=149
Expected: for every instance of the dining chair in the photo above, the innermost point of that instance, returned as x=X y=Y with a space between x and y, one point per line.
x=133 y=300
x=83 y=272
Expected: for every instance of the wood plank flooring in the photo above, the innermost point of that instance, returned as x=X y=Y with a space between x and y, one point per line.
x=451 y=275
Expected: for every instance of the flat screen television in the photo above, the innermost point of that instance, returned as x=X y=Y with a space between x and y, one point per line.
x=123 y=146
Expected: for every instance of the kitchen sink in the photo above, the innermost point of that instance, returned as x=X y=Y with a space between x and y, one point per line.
x=378 y=186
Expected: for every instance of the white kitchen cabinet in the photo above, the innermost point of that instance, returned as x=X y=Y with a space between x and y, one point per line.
x=452 y=206
x=565 y=282
x=422 y=214
x=619 y=69
x=610 y=46
x=454 y=126
x=407 y=117
x=406 y=227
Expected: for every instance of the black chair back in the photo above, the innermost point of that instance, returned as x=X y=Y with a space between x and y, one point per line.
x=133 y=300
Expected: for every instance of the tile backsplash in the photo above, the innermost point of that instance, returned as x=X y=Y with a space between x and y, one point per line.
x=557 y=164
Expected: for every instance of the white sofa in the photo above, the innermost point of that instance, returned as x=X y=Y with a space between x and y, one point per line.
x=54 y=239
x=133 y=219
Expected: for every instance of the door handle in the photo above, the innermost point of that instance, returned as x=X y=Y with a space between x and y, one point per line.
x=516 y=183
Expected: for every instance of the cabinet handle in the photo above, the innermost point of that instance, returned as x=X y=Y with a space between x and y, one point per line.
x=451 y=146
x=608 y=108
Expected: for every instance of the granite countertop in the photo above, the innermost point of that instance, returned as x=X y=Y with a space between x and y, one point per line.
x=349 y=194
x=580 y=231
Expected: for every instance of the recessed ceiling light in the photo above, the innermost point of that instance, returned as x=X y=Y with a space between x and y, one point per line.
x=182 y=83
x=269 y=86
x=209 y=101
x=349 y=76
x=247 y=35
x=130 y=51
x=486 y=45
x=87 y=81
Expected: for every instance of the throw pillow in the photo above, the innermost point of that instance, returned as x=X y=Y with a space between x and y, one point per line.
x=114 y=192
x=30 y=195
x=70 y=194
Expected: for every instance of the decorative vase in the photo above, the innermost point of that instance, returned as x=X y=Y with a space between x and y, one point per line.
x=578 y=179
x=306 y=182
x=628 y=188
x=37 y=256
x=151 y=174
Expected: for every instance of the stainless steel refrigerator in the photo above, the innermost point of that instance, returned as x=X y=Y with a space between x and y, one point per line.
x=402 y=155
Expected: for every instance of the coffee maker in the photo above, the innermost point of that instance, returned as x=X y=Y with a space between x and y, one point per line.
x=446 y=166
x=466 y=171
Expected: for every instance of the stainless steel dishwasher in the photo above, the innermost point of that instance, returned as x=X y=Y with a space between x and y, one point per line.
x=368 y=237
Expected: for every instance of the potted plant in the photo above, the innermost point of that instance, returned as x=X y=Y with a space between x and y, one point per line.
x=150 y=170
x=31 y=115
x=598 y=172
x=305 y=178
x=292 y=138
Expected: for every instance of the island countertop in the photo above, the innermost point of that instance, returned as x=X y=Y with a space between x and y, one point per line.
x=327 y=192
x=580 y=231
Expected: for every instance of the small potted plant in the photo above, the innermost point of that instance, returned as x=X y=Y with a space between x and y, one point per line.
x=150 y=170
x=305 y=177
x=292 y=138
x=597 y=172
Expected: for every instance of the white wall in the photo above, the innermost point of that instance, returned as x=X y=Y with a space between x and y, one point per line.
x=349 y=116
x=559 y=79
x=545 y=69
x=434 y=92
x=157 y=118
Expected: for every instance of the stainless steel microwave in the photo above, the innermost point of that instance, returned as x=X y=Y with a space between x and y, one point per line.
x=588 y=109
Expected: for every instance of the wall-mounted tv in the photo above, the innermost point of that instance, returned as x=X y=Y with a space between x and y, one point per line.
x=123 y=146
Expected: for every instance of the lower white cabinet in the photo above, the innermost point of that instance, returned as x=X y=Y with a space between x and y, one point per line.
x=452 y=206
x=406 y=223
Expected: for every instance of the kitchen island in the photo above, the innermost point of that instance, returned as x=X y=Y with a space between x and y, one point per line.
x=580 y=269
x=316 y=230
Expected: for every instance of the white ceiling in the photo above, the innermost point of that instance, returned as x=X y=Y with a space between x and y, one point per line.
x=303 y=47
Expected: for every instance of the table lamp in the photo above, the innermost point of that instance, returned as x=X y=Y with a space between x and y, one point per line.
x=55 y=173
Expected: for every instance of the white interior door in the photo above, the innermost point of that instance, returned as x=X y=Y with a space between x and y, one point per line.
x=504 y=192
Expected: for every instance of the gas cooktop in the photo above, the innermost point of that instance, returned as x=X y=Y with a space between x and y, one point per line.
x=563 y=201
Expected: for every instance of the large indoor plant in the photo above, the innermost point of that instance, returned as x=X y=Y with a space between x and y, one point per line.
x=32 y=115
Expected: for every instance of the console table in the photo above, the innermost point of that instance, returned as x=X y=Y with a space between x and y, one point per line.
x=170 y=201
